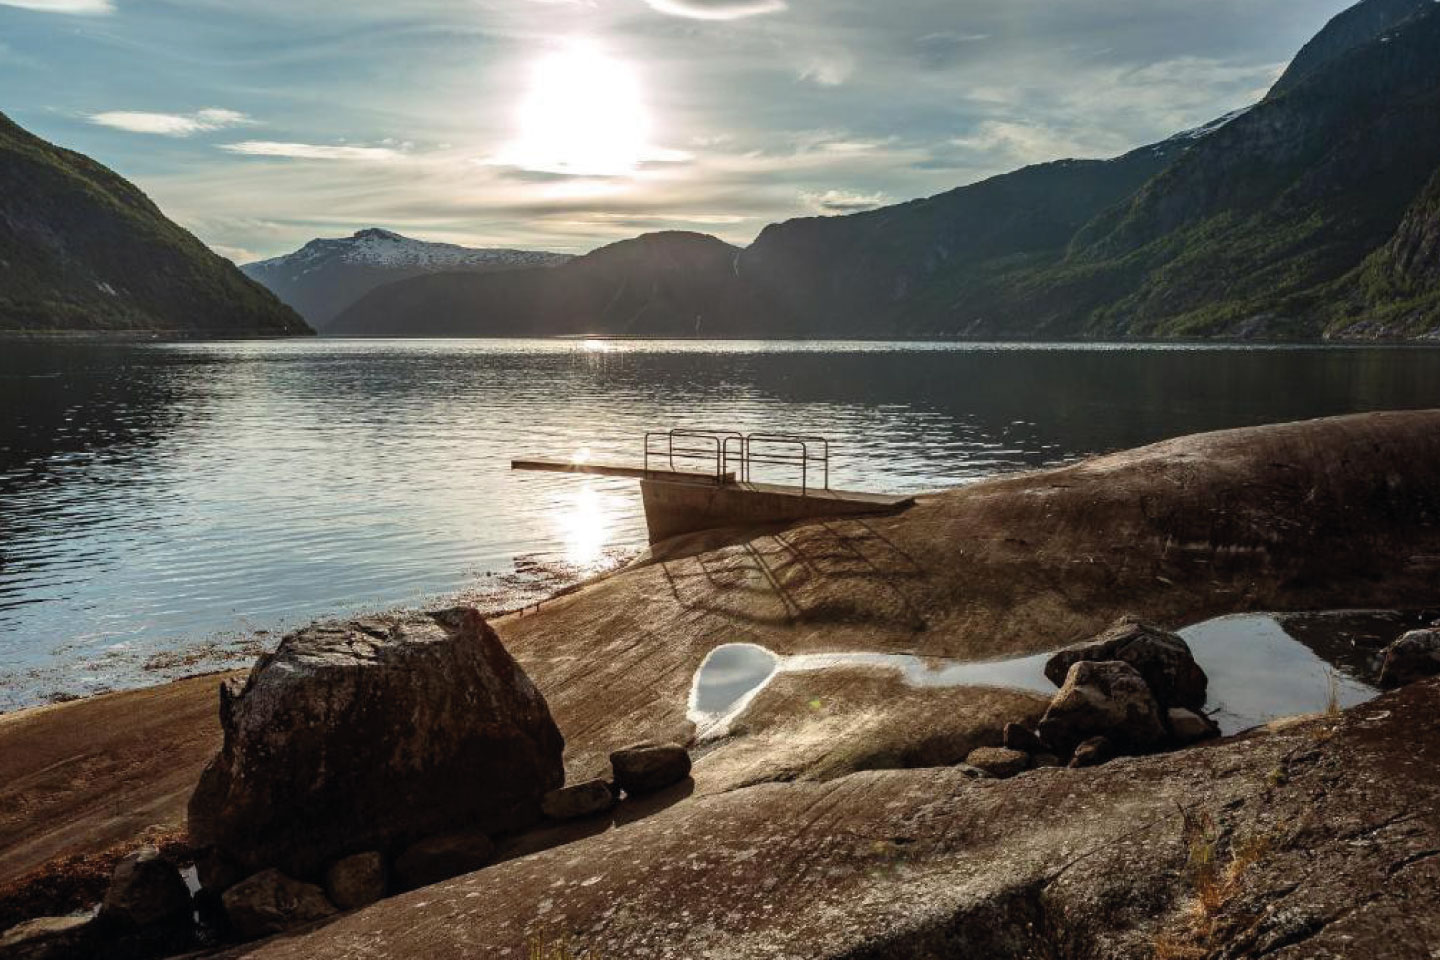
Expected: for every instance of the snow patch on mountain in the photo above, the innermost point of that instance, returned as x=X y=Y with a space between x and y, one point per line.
x=382 y=248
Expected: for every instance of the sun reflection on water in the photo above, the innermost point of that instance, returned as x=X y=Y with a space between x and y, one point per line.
x=585 y=519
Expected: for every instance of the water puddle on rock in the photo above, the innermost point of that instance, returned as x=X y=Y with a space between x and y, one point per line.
x=1261 y=666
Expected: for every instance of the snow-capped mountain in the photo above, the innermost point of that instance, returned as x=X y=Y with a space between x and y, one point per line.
x=325 y=276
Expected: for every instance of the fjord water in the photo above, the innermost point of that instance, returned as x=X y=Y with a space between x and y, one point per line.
x=168 y=507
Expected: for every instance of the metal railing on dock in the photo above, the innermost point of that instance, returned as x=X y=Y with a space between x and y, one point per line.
x=719 y=449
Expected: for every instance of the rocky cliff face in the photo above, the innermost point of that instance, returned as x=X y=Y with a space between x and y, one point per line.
x=82 y=249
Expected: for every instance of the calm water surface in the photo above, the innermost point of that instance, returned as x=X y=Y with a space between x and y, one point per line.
x=169 y=506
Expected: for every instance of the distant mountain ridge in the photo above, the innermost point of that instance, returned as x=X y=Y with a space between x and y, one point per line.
x=325 y=276
x=84 y=250
x=1311 y=214
x=660 y=284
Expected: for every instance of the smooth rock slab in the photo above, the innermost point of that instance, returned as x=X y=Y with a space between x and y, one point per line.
x=1162 y=658
x=648 y=767
x=999 y=762
x=1108 y=699
x=270 y=902
x=580 y=800
x=440 y=858
x=369 y=735
x=1414 y=656
x=356 y=881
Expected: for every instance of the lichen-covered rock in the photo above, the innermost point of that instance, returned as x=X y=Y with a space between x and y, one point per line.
x=1414 y=656
x=270 y=902
x=1187 y=726
x=999 y=762
x=648 y=767
x=356 y=881
x=146 y=890
x=1092 y=753
x=1162 y=658
x=1102 y=699
x=440 y=858
x=49 y=938
x=579 y=800
x=370 y=734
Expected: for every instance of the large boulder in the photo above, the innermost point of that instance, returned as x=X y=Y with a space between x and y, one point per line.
x=368 y=735
x=1414 y=656
x=146 y=890
x=270 y=902
x=647 y=767
x=1106 y=699
x=1162 y=658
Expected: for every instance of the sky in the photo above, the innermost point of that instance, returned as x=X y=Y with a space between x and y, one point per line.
x=567 y=124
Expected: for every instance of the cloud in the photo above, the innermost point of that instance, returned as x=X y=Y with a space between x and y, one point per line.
x=312 y=151
x=171 y=124
x=717 y=9
x=842 y=201
x=62 y=6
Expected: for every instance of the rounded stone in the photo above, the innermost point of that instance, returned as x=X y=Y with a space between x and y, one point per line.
x=648 y=767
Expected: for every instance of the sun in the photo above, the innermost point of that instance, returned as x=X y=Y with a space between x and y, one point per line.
x=583 y=115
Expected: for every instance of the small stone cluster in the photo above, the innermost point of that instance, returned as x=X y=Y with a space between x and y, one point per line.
x=1133 y=689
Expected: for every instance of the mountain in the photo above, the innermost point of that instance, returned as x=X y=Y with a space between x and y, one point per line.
x=849 y=275
x=325 y=276
x=659 y=284
x=1310 y=214
x=82 y=249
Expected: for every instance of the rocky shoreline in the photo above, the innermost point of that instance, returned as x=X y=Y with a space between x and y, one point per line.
x=834 y=820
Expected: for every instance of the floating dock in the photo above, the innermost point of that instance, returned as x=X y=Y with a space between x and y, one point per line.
x=721 y=494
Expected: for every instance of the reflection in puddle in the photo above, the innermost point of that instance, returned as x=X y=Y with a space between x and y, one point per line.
x=1261 y=666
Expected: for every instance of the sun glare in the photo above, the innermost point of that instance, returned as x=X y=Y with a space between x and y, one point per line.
x=584 y=115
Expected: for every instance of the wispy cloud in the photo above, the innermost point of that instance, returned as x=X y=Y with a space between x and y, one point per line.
x=312 y=151
x=832 y=202
x=62 y=6
x=171 y=124
x=717 y=9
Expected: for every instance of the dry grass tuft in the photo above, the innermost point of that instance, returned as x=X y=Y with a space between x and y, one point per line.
x=1214 y=881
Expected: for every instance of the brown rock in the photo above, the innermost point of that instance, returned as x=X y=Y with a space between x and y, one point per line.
x=146 y=890
x=1187 y=726
x=1045 y=760
x=647 y=767
x=356 y=881
x=1000 y=762
x=440 y=858
x=270 y=902
x=1108 y=699
x=1017 y=737
x=1414 y=656
x=1092 y=753
x=1162 y=658
x=581 y=800
x=370 y=734
x=49 y=938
